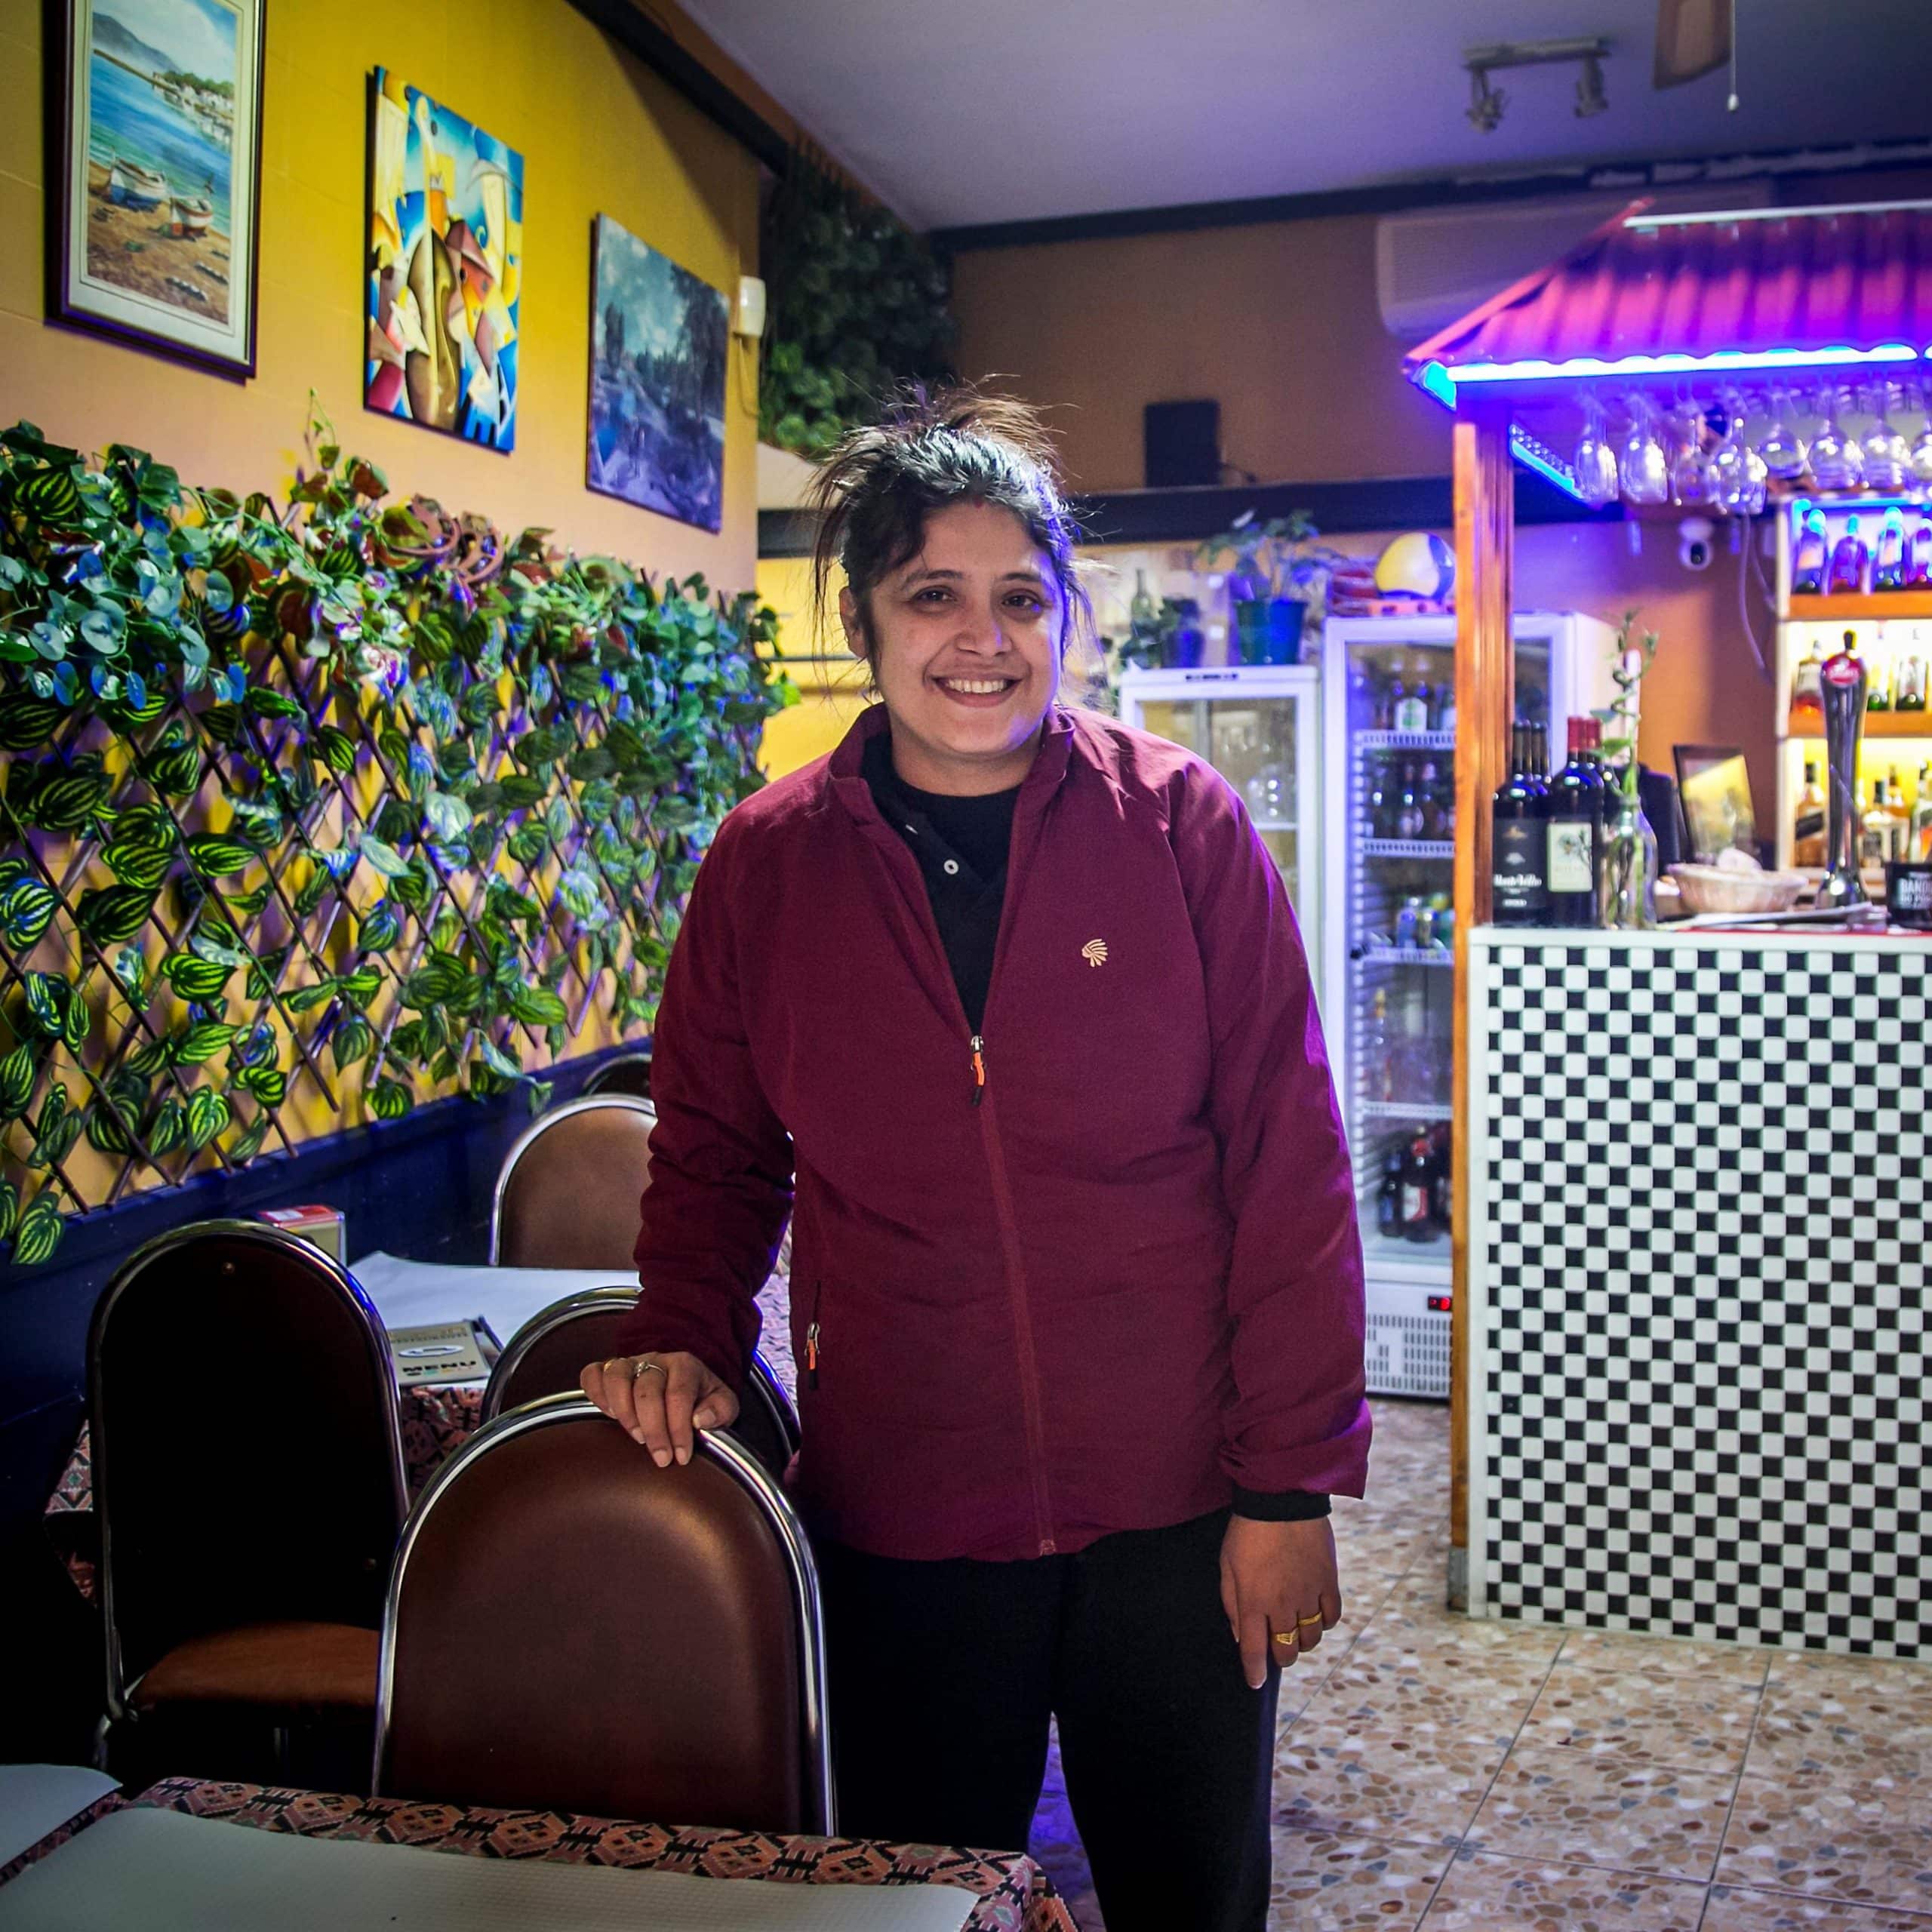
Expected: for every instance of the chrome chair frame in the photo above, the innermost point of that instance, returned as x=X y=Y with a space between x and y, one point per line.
x=595 y=1085
x=541 y=1125
x=119 y=1691
x=761 y=1385
x=745 y=1470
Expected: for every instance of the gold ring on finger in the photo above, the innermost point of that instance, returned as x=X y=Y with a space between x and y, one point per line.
x=1286 y=1637
x=1302 y=1622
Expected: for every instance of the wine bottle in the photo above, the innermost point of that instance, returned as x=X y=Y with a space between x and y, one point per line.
x=1574 y=825
x=1518 y=893
x=1419 y=1191
x=1810 y=557
x=1888 y=561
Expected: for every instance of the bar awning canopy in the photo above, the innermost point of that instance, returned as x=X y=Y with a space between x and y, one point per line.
x=1698 y=303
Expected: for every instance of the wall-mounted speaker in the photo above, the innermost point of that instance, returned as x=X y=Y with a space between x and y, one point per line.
x=1182 y=444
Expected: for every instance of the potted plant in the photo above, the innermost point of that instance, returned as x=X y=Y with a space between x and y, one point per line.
x=1277 y=572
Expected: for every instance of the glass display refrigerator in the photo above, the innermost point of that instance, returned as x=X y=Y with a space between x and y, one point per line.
x=1259 y=725
x=1389 y=750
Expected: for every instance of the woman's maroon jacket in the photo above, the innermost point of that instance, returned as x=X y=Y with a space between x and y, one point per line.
x=1087 y=1276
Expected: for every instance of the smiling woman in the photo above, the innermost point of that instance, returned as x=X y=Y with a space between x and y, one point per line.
x=1076 y=1287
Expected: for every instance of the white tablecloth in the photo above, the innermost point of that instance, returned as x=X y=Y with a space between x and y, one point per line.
x=418 y=1294
x=161 y=1872
x=35 y=1799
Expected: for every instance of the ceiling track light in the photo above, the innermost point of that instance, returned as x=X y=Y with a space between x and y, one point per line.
x=1488 y=102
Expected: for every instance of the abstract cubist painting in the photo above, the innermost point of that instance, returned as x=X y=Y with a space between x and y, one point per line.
x=659 y=339
x=445 y=267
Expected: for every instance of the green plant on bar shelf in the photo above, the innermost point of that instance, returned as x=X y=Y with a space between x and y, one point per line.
x=314 y=811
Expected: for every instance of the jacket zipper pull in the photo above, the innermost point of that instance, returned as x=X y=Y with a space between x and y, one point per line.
x=979 y=1069
x=811 y=1355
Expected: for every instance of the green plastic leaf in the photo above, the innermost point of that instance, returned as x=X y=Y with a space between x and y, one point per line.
x=208 y=1114
x=27 y=908
x=383 y=856
x=113 y=914
x=217 y=858
x=269 y=1085
x=355 y=1039
x=538 y=1006
x=40 y=1229
x=18 y=1070
x=202 y=1041
x=168 y=1130
x=138 y=864
x=10 y=1209
x=389 y=1100
x=247 y=1143
x=194 y=978
x=358 y=988
x=381 y=928
x=306 y=999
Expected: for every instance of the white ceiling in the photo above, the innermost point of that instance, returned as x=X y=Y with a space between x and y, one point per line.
x=961 y=111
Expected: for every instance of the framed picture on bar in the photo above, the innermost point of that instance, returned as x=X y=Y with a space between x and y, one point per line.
x=154 y=176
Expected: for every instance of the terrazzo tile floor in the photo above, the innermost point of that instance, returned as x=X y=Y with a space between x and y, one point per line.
x=1435 y=1774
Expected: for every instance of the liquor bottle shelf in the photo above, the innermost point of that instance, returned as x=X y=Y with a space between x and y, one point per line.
x=1406 y=741
x=1414 y=1110
x=1406 y=955
x=1877 y=725
x=1878 y=604
x=1407 y=848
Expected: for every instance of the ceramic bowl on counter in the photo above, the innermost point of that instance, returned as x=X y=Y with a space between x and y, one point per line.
x=1719 y=889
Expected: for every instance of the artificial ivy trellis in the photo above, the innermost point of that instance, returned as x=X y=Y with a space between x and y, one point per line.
x=342 y=805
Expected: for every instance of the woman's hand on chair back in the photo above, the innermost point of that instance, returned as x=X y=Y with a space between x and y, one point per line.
x=660 y=1399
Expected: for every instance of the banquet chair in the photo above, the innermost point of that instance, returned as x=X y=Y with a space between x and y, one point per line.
x=568 y=1193
x=570 y=1628
x=248 y=1480
x=622 y=1073
x=546 y=1355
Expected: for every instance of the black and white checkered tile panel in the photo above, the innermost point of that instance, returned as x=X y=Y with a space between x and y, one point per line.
x=1706 y=1196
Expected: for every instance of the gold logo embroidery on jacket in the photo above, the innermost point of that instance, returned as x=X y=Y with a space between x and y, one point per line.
x=1094 y=952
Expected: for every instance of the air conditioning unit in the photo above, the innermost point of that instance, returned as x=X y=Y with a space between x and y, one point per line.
x=1436 y=265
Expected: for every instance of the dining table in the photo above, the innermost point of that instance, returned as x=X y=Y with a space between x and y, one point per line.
x=216 y=1857
x=436 y=1419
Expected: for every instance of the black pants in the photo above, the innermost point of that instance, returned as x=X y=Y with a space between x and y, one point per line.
x=943 y=1675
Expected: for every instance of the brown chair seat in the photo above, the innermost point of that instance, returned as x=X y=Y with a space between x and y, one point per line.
x=293 y=1667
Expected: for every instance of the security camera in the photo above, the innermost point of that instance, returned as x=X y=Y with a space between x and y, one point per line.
x=1694 y=542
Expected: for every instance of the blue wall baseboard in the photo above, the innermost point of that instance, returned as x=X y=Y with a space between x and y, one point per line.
x=420 y=1186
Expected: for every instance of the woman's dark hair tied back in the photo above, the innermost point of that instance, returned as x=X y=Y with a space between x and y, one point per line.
x=932 y=448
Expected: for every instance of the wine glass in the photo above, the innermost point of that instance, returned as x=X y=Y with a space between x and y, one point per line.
x=1888 y=459
x=1643 y=464
x=1736 y=470
x=1689 y=473
x=1782 y=449
x=1595 y=461
x=1921 y=452
x=1837 y=460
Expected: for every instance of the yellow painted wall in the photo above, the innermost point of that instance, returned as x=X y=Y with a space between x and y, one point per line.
x=831 y=693
x=598 y=134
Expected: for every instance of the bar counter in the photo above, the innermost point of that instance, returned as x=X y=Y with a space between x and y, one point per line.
x=1699 y=1166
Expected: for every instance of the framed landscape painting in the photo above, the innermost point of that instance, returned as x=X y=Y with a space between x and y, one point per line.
x=658 y=339
x=154 y=212
x=445 y=267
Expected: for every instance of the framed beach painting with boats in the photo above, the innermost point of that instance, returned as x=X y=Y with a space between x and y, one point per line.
x=155 y=217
